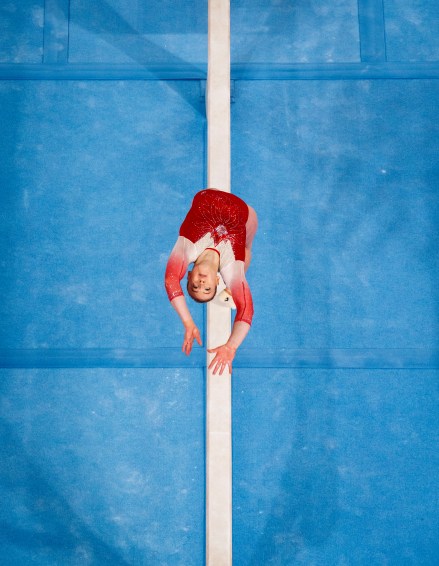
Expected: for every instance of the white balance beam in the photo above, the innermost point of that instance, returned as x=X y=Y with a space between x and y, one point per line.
x=219 y=427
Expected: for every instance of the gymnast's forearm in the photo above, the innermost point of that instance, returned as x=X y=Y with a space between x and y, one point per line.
x=239 y=332
x=179 y=304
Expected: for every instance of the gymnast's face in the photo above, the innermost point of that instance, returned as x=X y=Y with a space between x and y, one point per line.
x=202 y=282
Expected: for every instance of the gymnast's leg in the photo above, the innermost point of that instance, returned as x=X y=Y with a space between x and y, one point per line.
x=251 y=227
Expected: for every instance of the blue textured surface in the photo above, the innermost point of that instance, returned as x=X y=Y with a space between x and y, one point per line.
x=102 y=467
x=84 y=264
x=156 y=31
x=102 y=464
x=21 y=31
x=289 y=31
x=335 y=467
x=347 y=253
x=412 y=30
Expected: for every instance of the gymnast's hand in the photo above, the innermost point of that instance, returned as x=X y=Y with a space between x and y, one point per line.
x=191 y=333
x=224 y=357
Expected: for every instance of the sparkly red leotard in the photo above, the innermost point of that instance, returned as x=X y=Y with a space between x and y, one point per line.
x=221 y=214
x=215 y=220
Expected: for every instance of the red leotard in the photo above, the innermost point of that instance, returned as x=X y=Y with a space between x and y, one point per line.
x=221 y=214
x=215 y=220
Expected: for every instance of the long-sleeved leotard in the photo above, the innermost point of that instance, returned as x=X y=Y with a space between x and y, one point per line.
x=216 y=220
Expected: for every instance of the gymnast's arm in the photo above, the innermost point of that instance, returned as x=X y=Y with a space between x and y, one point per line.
x=234 y=277
x=175 y=271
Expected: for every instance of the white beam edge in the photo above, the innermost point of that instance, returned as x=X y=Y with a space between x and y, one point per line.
x=218 y=414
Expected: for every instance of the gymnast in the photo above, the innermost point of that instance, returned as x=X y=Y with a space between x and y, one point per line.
x=216 y=236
